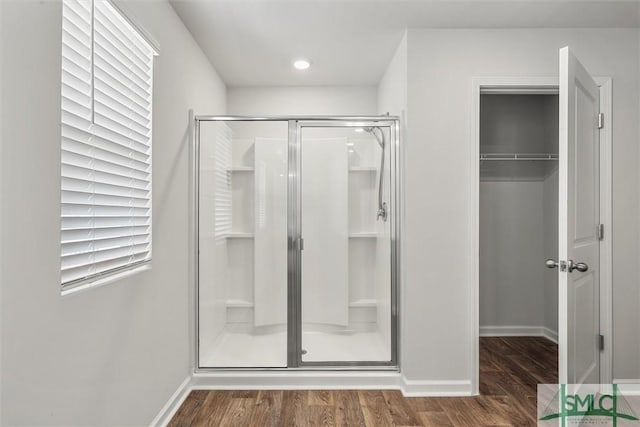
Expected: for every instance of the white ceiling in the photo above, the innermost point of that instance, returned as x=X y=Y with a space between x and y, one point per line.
x=252 y=42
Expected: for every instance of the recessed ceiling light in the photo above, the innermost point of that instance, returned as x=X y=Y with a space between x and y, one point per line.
x=359 y=130
x=301 y=64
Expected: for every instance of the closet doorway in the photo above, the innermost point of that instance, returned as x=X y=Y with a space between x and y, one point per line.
x=518 y=231
x=584 y=221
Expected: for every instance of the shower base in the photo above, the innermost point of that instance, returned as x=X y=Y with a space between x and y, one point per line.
x=246 y=350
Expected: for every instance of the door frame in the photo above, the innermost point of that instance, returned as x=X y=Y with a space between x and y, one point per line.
x=541 y=85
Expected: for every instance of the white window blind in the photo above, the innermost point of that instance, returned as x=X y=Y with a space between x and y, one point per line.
x=107 y=71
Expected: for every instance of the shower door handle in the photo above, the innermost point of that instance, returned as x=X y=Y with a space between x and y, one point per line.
x=300 y=243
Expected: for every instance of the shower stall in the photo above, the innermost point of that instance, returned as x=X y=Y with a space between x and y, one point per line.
x=296 y=222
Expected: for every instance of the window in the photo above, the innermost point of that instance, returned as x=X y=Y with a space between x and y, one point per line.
x=107 y=72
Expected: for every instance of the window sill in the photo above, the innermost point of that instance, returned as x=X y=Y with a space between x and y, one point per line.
x=107 y=280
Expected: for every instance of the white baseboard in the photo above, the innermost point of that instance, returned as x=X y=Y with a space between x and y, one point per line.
x=450 y=388
x=626 y=381
x=329 y=381
x=518 y=331
x=550 y=335
x=173 y=404
x=628 y=386
x=307 y=380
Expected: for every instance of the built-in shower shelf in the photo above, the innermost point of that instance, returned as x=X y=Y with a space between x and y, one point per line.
x=362 y=169
x=241 y=169
x=363 y=235
x=363 y=303
x=351 y=169
x=239 y=235
x=238 y=303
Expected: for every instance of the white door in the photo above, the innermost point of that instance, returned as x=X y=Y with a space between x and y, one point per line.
x=578 y=249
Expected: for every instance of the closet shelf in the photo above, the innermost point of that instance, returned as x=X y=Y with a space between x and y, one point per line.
x=518 y=157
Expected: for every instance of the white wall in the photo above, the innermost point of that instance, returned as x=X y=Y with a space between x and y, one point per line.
x=518 y=232
x=511 y=252
x=437 y=227
x=392 y=99
x=115 y=354
x=1 y=193
x=392 y=90
x=318 y=100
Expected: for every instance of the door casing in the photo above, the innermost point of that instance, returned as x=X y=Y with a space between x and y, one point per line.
x=541 y=85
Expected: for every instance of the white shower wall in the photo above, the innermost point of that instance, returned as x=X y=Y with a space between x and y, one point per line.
x=270 y=231
x=367 y=295
x=325 y=229
x=249 y=280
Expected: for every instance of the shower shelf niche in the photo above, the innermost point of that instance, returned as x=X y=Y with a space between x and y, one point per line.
x=239 y=303
x=364 y=235
x=362 y=169
x=362 y=303
x=239 y=235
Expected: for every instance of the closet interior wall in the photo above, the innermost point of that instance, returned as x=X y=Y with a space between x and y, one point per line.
x=518 y=214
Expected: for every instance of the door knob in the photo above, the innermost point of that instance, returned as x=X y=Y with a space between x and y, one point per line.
x=570 y=265
x=580 y=266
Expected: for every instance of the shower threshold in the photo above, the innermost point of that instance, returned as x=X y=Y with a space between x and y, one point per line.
x=246 y=350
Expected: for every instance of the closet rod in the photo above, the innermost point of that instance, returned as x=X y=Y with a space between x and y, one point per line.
x=520 y=157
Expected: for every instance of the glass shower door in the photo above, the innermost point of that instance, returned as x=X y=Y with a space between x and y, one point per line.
x=242 y=244
x=345 y=221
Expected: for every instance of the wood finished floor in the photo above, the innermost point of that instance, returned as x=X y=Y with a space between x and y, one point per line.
x=510 y=369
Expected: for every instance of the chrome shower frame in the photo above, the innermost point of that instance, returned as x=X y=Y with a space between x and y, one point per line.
x=294 y=212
